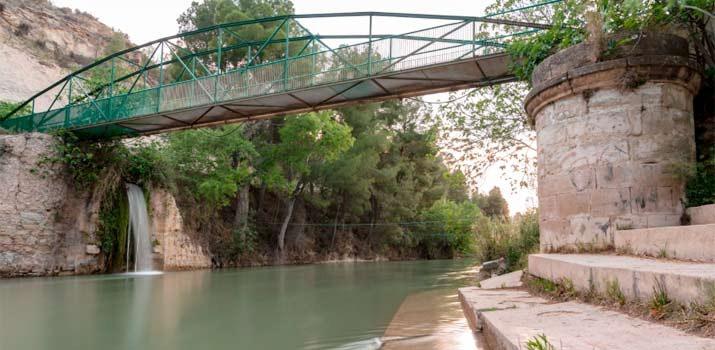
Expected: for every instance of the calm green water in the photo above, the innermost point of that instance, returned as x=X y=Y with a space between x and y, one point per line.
x=289 y=307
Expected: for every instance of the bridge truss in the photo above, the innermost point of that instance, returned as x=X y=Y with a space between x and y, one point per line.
x=272 y=66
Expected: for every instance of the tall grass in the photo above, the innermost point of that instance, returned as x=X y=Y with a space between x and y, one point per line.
x=511 y=239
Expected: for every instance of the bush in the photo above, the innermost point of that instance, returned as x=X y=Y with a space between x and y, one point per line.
x=89 y=162
x=7 y=107
x=446 y=229
x=512 y=240
x=22 y=30
x=2 y=8
x=699 y=181
x=700 y=185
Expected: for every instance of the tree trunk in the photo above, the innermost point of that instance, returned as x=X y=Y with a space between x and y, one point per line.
x=335 y=226
x=289 y=214
x=240 y=220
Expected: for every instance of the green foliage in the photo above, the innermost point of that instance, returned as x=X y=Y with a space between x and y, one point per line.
x=7 y=107
x=659 y=301
x=539 y=342
x=513 y=241
x=700 y=185
x=210 y=12
x=113 y=226
x=542 y=285
x=309 y=141
x=573 y=21
x=87 y=162
x=211 y=163
x=447 y=229
x=493 y=204
x=566 y=30
x=614 y=293
x=490 y=128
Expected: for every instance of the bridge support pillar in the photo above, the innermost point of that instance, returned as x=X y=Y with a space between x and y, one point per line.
x=612 y=131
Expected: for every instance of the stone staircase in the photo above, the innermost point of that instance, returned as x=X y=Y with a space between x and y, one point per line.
x=678 y=261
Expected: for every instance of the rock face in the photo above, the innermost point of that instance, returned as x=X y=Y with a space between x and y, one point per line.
x=40 y=43
x=609 y=134
x=176 y=250
x=47 y=227
x=42 y=224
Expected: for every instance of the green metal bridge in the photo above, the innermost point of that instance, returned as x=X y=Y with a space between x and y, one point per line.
x=273 y=66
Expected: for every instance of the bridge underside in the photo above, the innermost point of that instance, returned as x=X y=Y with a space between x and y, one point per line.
x=466 y=73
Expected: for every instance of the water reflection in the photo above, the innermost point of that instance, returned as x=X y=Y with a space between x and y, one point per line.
x=292 y=307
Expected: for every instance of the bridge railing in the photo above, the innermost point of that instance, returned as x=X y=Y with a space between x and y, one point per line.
x=171 y=74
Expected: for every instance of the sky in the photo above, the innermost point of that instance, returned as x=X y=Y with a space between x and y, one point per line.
x=146 y=20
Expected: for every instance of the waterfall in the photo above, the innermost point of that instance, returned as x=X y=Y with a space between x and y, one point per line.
x=139 y=230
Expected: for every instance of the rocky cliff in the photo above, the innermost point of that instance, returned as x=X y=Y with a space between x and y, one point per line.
x=41 y=43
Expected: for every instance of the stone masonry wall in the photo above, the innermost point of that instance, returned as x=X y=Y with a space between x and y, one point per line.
x=609 y=136
x=41 y=218
x=176 y=250
x=604 y=162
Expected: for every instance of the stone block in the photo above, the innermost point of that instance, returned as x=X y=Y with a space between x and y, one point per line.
x=92 y=249
x=637 y=277
x=704 y=214
x=548 y=207
x=696 y=242
x=582 y=179
x=644 y=199
x=572 y=325
x=591 y=230
x=508 y=280
x=662 y=220
x=573 y=203
x=675 y=96
x=614 y=176
x=635 y=122
x=609 y=202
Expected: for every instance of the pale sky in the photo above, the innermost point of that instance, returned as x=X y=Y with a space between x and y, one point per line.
x=146 y=20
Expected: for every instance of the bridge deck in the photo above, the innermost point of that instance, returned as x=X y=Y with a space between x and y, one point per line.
x=472 y=72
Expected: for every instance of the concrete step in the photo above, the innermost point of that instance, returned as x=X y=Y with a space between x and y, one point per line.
x=507 y=280
x=695 y=242
x=637 y=278
x=510 y=318
x=704 y=214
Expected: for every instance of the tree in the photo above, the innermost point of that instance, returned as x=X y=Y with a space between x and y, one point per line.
x=211 y=12
x=494 y=204
x=308 y=142
x=447 y=229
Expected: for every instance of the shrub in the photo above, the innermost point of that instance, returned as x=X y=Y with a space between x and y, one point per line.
x=699 y=181
x=2 y=8
x=446 y=230
x=7 y=107
x=511 y=240
x=22 y=30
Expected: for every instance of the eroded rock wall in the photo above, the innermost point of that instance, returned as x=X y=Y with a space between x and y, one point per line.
x=176 y=247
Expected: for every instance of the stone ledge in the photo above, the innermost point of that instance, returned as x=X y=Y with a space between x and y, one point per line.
x=586 y=53
x=702 y=215
x=614 y=73
x=695 y=242
x=637 y=278
x=476 y=301
x=574 y=325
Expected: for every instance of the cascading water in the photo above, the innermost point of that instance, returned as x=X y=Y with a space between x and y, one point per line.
x=139 y=230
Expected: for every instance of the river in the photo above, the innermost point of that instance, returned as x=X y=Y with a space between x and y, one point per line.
x=324 y=306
